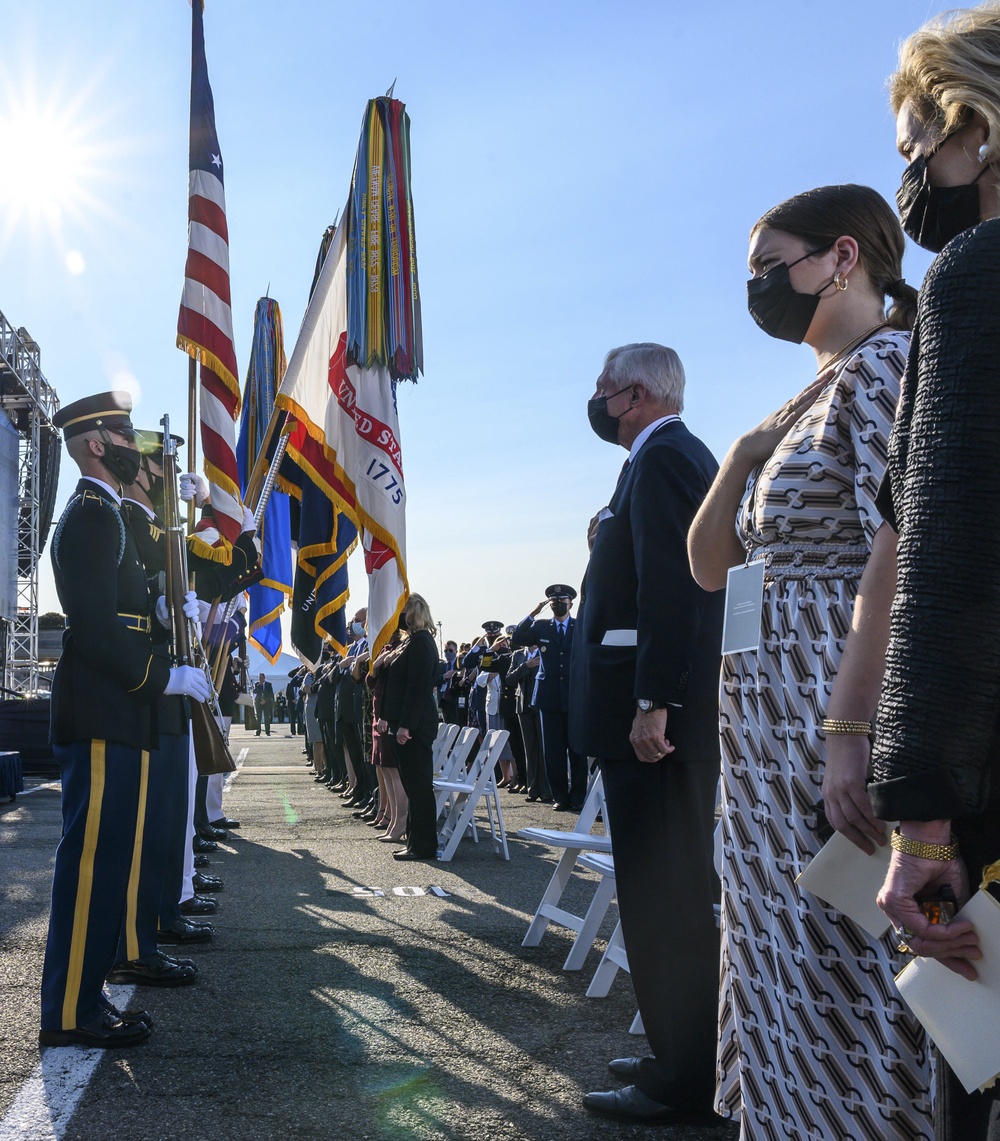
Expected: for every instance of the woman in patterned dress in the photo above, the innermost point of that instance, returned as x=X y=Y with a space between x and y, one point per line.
x=814 y=1041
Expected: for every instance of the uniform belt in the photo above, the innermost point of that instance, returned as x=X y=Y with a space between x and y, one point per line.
x=139 y=622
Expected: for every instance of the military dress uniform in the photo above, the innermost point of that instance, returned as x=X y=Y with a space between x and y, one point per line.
x=103 y=727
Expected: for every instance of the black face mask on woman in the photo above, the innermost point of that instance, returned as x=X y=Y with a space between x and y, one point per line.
x=933 y=215
x=777 y=307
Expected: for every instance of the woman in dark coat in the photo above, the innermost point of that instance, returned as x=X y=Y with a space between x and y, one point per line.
x=410 y=715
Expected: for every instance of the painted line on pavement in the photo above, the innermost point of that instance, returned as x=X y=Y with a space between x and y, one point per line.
x=46 y=1102
x=241 y=756
x=39 y=787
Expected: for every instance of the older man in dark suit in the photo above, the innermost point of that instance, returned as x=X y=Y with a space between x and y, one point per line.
x=644 y=699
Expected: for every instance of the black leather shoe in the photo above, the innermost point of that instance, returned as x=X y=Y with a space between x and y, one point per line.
x=545 y=800
x=224 y=822
x=631 y=1104
x=153 y=970
x=107 y=1030
x=184 y=931
x=202 y=883
x=207 y=832
x=531 y=799
x=406 y=854
x=201 y=846
x=625 y=1067
x=127 y=1016
x=560 y=808
x=201 y=861
x=199 y=905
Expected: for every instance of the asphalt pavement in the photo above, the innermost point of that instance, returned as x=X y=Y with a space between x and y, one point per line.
x=344 y=995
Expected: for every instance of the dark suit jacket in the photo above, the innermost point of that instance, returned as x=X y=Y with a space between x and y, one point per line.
x=263 y=695
x=552 y=688
x=638 y=579
x=408 y=700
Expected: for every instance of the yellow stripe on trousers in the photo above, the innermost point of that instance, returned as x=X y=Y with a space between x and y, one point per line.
x=84 y=886
x=132 y=900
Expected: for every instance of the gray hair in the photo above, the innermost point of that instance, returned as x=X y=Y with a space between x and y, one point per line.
x=657 y=368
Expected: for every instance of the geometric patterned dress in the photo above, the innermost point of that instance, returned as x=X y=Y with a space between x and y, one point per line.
x=815 y=1043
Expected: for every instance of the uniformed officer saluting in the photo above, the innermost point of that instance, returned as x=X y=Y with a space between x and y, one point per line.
x=103 y=725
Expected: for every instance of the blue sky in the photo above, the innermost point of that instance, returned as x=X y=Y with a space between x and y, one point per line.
x=584 y=175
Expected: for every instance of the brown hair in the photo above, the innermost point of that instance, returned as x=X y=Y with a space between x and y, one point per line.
x=819 y=217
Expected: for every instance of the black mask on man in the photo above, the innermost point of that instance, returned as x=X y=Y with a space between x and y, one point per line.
x=603 y=423
x=560 y=607
x=777 y=307
x=123 y=463
x=933 y=215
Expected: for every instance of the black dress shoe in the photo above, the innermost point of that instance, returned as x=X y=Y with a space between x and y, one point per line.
x=127 y=1016
x=631 y=1104
x=152 y=970
x=560 y=808
x=406 y=854
x=201 y=861
x=531 y=799
x=224 y=822
x=207 y=832
x=545 y=800
x=199 y=905
x=202 y=882
x=107 y=1030
x=625 y=1067
x=201 y=846
x=184 y=931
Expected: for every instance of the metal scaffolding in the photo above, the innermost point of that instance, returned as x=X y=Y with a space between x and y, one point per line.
x=29 y=402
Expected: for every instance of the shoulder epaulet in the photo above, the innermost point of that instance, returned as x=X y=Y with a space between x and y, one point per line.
x=80 y=499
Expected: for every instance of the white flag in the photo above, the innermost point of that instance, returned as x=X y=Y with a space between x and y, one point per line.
x=352 y=449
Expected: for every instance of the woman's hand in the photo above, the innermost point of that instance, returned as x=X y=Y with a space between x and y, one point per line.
x=402 y=735
x=845 y=793
x=382 y=725
x=759 y=443
x=956 y=944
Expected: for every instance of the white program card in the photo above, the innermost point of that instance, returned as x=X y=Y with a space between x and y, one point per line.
x=744 y=605
x=846 y=878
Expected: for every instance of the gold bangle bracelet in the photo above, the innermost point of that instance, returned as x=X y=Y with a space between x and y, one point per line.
x=853 y=728
x=908 y=847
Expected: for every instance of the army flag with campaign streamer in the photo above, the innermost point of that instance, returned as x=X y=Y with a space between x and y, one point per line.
x=364 y=308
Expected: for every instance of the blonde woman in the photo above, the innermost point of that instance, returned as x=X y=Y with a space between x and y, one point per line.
x=411 y=718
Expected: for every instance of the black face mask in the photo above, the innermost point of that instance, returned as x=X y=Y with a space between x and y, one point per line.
x=560 y=608
x=603 y=423
x=402 y=621
x=933 y=215
x=123 y=463
x=777 y=307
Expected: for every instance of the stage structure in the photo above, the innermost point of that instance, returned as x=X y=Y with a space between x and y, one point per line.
x=29 y=477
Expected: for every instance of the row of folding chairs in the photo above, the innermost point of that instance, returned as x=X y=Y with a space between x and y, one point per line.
x=460 y=786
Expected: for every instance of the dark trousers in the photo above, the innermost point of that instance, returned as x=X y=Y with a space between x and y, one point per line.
x=416 y=771
x=534 y=756
x=661 y=818
x=293 y=720
x=367 y=780
x=100 y=799
x=157 y=872
x=333 y=752
x=264 y=719
x=566 y=770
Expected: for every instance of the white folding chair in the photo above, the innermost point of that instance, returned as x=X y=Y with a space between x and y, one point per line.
x=466 y=794
x=443 y=743
x=573 y=843
x=453 y=768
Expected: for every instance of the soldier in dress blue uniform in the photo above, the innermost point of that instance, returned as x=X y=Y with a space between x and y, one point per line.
x=103 y=725
x=565 y=768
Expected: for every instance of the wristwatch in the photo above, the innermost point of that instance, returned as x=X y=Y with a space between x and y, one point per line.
x=646 y=706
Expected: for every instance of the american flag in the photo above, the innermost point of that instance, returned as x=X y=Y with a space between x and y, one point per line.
x=205 y=323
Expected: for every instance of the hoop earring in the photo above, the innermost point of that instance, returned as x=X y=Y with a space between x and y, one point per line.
x=839 y=282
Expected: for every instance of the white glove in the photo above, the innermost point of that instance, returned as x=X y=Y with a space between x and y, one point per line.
x=248 y=520
x=194 y=486
x=188 y=682
x=204 y=609
x=162 y=613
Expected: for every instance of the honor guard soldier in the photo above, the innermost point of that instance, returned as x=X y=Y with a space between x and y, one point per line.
x=565 y=768
x=103 y=725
